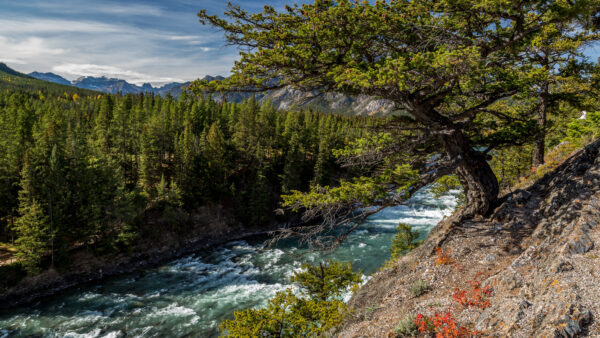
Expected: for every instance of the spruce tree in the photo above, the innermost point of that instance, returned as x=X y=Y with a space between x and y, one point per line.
x=33 y=229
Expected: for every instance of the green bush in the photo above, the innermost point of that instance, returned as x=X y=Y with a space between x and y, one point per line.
x=581 y=132
x=419 y=287
x=407 y=327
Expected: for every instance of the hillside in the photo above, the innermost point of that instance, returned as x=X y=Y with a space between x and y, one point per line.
x=535 y=258
x=13 y=80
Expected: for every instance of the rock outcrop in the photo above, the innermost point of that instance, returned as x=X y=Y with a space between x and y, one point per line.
x=538 y=253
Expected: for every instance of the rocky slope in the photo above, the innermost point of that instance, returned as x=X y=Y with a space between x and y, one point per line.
x=536 y=255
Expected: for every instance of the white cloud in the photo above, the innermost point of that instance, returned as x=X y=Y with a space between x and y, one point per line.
x=142 y=10
x=13 y=61
x=111 y=71
x=48 y=26
x=27 y=48
x=184 y=37
x=83 y=7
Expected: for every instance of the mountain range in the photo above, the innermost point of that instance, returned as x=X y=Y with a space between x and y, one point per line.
x=284 y=98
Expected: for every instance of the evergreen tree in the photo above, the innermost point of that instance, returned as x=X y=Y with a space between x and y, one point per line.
x=291 y=315
x=34 y=236
x=32 y=227
x=215 y=151
x=431 y=58
x=558 y=52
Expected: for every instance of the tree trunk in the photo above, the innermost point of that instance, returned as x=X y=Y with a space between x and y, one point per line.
x=477 y=178
x=540 y=139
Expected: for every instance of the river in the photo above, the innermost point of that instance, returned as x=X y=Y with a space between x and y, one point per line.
x=188 y=297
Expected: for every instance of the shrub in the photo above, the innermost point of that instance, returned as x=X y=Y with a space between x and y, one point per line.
x=404 y=241
x=443 y=257
x=584 y=131
x=510 y=164
x=419 y=287
x=407 y=327
x=286 y=315
x=477 y=297
x=326 y=281
x=442 y=324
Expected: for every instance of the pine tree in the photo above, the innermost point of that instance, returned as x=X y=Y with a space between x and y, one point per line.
x=33 y=229
x=215 y=151
x=34 y=236
x=431 y=58
x=312 y=313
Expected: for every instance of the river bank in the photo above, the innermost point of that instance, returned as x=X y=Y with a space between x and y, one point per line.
x=191 y=295
x=90 y=269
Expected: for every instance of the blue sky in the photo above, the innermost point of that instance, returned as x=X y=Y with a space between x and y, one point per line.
x=139 y=41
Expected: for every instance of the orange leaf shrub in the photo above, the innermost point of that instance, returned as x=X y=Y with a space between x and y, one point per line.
x=442 y=325
x=443 y=257
x=476 y=298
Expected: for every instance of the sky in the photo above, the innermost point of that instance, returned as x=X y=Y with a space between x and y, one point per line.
x=138 y=41
x=155 y=41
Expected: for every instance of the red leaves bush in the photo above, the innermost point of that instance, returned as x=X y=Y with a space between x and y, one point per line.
x=476 y=298
x=443 y=257
x=442 y=325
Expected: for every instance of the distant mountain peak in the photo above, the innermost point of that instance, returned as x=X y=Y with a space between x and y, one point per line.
x=51 y=77
x=283 y=98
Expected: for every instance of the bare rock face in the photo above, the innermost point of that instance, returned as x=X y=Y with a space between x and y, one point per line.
x=538 y=252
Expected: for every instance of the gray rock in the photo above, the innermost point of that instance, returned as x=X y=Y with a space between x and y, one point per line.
x=563 y=266
x=571 y=326
x=581 y=246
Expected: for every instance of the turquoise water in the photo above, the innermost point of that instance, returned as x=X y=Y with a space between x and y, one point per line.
x=189 y=296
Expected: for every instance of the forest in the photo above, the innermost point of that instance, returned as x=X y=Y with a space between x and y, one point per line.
x=489 y=98
x=80 y=169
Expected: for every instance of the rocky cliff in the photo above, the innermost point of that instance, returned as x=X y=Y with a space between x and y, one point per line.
x=530 y=269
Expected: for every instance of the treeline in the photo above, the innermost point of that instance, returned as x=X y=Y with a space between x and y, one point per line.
x=81 y=171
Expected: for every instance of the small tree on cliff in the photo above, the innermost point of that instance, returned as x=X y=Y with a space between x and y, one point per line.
x=445 y=63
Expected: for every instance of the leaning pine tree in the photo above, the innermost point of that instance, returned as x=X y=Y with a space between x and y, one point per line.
x=445 y=64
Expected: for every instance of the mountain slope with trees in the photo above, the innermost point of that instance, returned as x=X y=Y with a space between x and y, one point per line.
x=83 y=171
